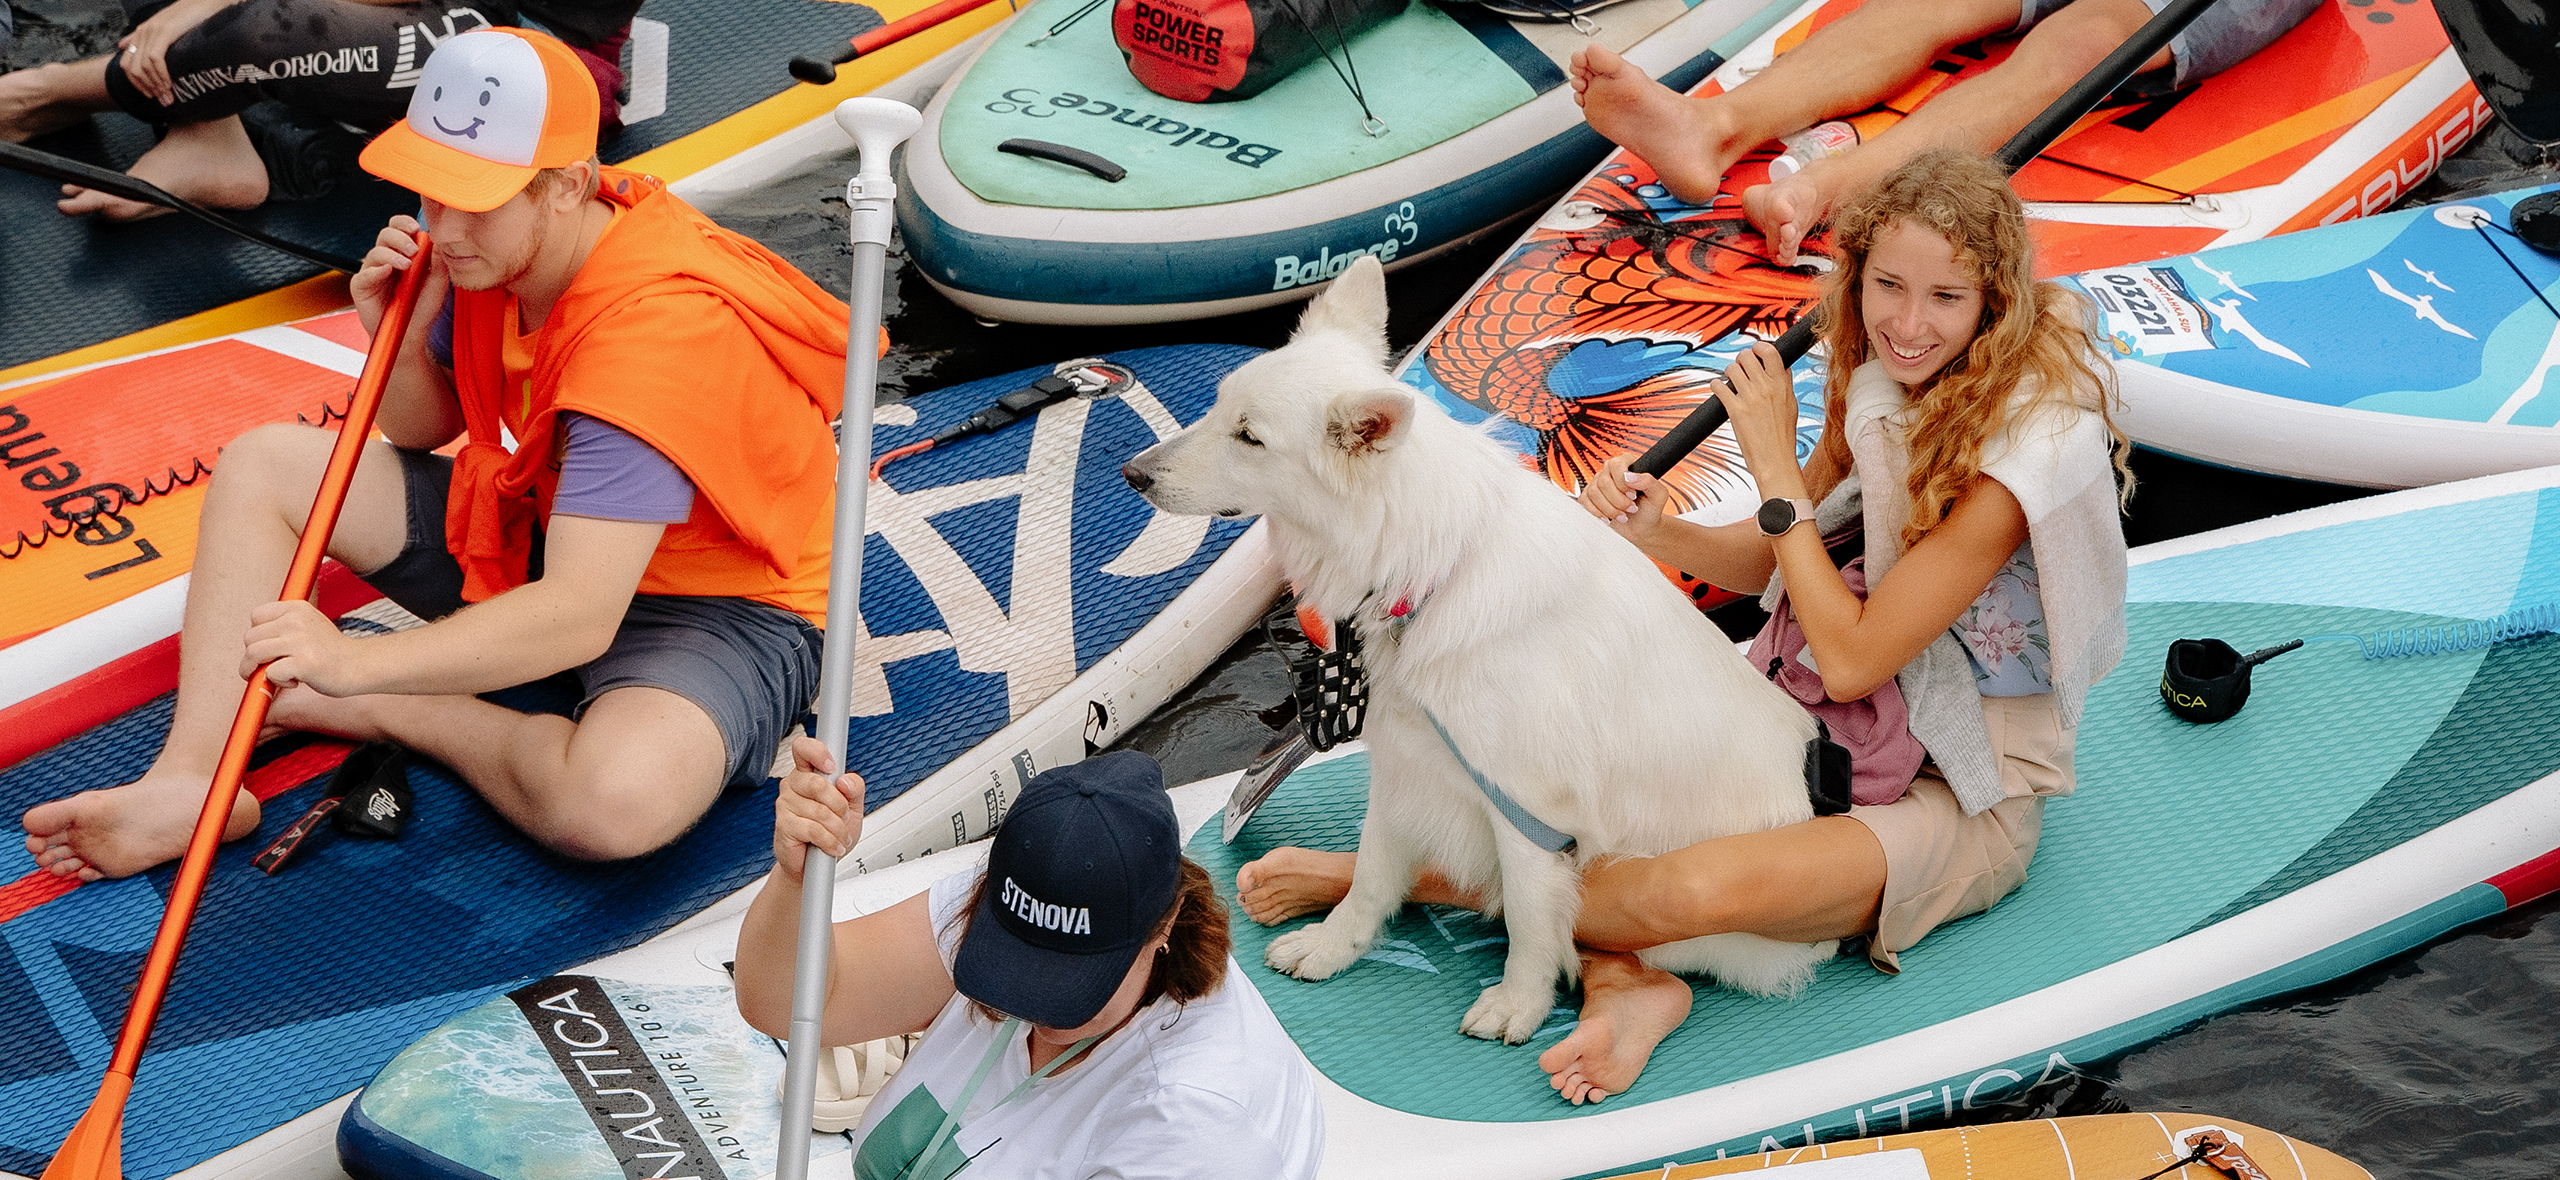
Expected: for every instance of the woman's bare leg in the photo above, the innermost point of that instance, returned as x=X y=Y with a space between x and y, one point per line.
x=1809 y=882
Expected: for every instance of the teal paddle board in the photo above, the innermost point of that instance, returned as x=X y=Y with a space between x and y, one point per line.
x=2398 y=350
x=1429 y=128
x=2355 y=809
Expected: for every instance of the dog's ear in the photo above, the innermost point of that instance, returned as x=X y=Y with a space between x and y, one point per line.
x=1354 y=305
x=1370 y=421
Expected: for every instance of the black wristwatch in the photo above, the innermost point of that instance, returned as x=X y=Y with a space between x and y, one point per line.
x=1778 y=515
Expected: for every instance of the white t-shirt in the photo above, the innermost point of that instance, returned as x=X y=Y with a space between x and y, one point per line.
x=1211 y=1090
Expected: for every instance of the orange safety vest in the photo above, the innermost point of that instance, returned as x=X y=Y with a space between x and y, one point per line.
x=760 y=453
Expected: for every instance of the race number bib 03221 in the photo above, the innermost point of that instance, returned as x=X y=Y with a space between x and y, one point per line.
x=2148 y=311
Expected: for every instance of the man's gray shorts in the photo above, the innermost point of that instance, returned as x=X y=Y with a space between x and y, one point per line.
x=752 y=667
x=2223 y=36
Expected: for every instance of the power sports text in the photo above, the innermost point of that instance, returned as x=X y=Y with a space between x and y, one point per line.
x=1027 y=102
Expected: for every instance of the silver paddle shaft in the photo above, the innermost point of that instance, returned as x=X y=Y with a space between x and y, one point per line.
x=878 y=126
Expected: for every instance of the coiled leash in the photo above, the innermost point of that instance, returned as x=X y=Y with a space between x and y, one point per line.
x=2207 y=680
x=1089 y=378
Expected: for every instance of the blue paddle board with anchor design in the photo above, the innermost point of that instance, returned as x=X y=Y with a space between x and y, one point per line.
x=1021 y=606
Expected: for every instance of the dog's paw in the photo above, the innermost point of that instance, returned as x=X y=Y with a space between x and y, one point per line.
x=1508 y=1014
x=1311 y=953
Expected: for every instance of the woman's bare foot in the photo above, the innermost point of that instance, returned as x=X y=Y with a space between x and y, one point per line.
x=124 y=830
x=212 y=164
x=1288 y=882
x=1627 y=1008
x=1681 y=137
x=1787 y=209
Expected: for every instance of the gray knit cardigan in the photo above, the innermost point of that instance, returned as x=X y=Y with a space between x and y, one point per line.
x=2056 y=464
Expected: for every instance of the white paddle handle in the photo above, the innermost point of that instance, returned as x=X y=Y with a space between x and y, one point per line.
x=878 y=126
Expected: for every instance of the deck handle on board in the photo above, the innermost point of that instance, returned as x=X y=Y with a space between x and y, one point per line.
x=1042 y=149
x=821 y=69
x=2037 y=135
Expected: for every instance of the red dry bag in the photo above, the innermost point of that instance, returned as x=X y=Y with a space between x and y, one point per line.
x=1222 y=50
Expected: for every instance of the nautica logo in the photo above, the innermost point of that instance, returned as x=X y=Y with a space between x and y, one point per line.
x=1063 y=919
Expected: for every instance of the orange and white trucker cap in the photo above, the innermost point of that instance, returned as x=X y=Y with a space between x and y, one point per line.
x=493 y=106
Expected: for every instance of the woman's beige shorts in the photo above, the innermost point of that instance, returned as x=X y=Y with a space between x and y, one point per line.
x=1941 y=864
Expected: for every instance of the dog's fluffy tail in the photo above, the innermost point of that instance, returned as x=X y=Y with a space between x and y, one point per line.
x=1764 y=967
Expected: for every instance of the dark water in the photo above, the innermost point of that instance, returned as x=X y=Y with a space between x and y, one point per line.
x=2439 y=1063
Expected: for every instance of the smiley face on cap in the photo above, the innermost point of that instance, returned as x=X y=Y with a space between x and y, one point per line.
x=482 y=92
x=492 y=106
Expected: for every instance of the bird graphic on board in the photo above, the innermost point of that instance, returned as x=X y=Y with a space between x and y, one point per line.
x=2223 y=277
x=2428 y=275
x=2424 y=305
x=2227 y=313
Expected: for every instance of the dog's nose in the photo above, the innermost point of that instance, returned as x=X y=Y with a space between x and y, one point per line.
x=1137 y=478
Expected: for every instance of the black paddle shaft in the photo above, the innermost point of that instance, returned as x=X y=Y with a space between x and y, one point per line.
x=2082 y=98
x=52 y=167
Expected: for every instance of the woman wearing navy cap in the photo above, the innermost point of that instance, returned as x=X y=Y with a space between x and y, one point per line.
x=1081 y=1015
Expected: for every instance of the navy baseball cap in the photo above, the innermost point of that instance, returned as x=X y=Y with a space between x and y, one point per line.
x=1079 y=874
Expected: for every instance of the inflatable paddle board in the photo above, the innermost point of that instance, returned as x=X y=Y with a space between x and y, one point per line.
x=1598 y=330
x=1021 y=607
x=2355 y=809
x=719 y=85
x=1186 y=210
x=2108 y=1145
x=2402 y=349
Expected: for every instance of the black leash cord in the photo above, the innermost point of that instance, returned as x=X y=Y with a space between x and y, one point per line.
x=2482 y=228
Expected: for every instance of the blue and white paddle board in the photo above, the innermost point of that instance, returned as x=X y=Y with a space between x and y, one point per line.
x=1021 y=606
x=2404 y=349
x=2355 y=809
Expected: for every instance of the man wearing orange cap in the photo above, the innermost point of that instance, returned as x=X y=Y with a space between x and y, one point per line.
x=644 y=496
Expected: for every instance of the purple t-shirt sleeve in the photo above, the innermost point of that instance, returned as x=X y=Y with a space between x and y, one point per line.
x=607 y=474
x=440 y=335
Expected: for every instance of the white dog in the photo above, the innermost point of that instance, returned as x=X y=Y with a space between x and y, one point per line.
x=1564 y=667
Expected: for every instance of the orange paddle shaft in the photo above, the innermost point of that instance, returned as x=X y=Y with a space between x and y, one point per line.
x=93 y=1150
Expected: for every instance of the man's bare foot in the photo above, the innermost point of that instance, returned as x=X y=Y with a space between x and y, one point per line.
x=1785 y=210
x=124 y=830
x=1288 y=882
x=212 y=164
x=1627 y=1008
x=1681 y=137
x=31 y=101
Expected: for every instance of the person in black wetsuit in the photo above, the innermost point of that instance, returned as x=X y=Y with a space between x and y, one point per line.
x=261 y=100
x=2512 y=50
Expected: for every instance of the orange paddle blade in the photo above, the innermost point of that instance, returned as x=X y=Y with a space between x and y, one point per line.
x=95 y=1148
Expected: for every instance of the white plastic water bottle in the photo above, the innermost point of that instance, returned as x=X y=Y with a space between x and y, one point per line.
x=1821 y=141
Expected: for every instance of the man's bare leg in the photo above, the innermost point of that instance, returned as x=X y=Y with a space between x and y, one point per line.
x=1976 y=116
x=51 y=97
x=1853 y=63
x=629 y=777
x=212 y=164
x=252 y=518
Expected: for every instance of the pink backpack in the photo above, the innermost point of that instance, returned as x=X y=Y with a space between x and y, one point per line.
x=1875 y=729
